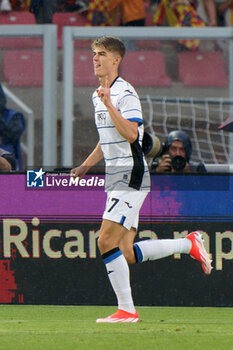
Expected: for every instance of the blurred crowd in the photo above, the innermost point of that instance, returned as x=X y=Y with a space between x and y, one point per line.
x=131 y=13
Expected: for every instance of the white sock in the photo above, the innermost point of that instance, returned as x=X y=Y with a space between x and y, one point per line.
x=153 y=249
x=118 y=274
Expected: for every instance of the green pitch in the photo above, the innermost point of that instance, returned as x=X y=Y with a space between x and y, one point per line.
x=74 y=327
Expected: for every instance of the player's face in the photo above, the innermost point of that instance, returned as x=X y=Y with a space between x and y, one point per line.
x=177 y=149
x=105 y=62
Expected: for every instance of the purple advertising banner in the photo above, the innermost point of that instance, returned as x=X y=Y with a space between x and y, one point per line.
x=49 y=228
x=18 y=200
x=190 y=197
x=59 y=201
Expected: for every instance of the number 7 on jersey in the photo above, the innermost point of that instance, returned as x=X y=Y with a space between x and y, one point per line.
x=115 y=200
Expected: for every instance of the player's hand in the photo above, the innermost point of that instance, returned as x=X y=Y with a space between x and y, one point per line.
x=104 y=92
x=79 y=171
x=165 y=164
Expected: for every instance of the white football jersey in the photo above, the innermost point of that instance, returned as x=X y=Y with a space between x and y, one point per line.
x=126 y=166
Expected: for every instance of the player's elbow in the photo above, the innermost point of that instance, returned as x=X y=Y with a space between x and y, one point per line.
x=132 y=137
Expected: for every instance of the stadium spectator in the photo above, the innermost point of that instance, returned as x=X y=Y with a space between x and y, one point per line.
x=224 y=11
x=175 y=155
x=99 y=13
x=5 y=6
x=119 y=122
x=185 y=13
x=79 y=6
x=15 y=5
x=8 y=161
x=132 y=13
x=206 y=9
x=12 y=125
x=43 y=10
x=216 y=12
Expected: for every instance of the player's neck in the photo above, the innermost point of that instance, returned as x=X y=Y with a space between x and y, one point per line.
x=111 y=79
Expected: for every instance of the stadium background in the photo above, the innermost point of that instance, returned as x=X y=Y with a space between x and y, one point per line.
x=48 y=280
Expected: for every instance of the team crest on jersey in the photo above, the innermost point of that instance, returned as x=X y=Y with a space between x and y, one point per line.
x=101 y=118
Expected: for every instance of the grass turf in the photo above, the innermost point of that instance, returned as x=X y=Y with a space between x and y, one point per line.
x=73 y=327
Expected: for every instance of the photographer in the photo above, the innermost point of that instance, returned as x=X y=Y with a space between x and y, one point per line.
x=175 y=155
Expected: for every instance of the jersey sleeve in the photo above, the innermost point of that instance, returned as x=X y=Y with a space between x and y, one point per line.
x=129 y=106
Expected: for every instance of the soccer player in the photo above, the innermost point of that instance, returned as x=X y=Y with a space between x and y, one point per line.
x=119 y=122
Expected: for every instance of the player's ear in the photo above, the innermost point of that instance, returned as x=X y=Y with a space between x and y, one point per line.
x=117 y=59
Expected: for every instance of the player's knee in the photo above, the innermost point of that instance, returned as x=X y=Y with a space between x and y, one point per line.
x=104 y=243
x=100 y=243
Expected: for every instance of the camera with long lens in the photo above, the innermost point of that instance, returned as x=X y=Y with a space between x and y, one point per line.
x=153 y=148
x=178 y=163
x=151 y=145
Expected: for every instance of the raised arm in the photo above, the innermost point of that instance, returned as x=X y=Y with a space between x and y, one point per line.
x=126 y=128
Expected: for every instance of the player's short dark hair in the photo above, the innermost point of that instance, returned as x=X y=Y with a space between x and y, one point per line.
x=110 y=43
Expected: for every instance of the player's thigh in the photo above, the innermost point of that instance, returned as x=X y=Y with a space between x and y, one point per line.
x=110 y=235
